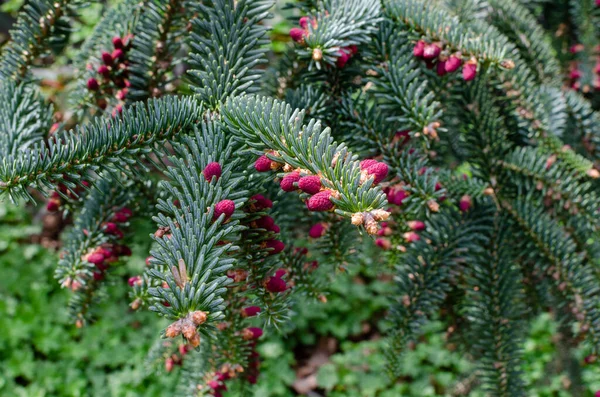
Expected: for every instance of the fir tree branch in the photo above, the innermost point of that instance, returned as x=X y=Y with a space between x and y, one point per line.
x=24 y=118
x=228 y=41
x=494 y=307
x=111 y=144
x=267 y=124
x=555 y=256
x=157 y=38
x=338 y=24
x=92 y=246
x=192 y=241
x=31 y=35
x=429 y=20
x=401 y=90
x=423 y=276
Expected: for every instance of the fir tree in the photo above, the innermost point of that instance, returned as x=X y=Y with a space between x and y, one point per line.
x=459 y=136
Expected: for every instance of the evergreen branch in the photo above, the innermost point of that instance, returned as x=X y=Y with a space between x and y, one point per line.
x=429 y=20
x=93 y=244
x=531 y=171
x=157 y=38
x=107 y=143
x=586 y=122
x=494 y=308
x=119 y=20
x=24 y=118
x=555 y=255
x=336 y=25
x=522 y=28
x=228 y=41
x=267 y=124
x=193 y=241
x=424 y=275
x=31 y=35
x=419 y=179
x=401 y=90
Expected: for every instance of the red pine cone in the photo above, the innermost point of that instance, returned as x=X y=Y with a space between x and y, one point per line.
x=419 y=48
x=118 y=54
x=135 y=280
x=265 y=222
x=262 y=164
x=287 y=183
x=383 y=243
x=275 y=284
x=250 y=311
x=92 y=84
x=320 y=201
x=441 y=68
x=226 y=207
x=107 y=58
x=117 y=42
x=212 y=169
x=96 y=258
x=343 y=58
x=310 y=184
x=417 y=226
x=261 y=202
x=318 y=230
x=297 y=34
x=431 y=51
x=276 y=245
x=251 y=333
x=53 y=205
x=469 y=71
x=453 y=63
x=465 y=203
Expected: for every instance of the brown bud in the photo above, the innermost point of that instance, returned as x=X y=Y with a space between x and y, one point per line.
x=433 y=206
x=173 y=330
x=198 y=317
x=358 y=218
x=317 y=54
x=593 y=173
x=188 y=329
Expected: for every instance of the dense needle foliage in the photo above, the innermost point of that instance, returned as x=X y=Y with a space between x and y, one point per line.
x=457 y=138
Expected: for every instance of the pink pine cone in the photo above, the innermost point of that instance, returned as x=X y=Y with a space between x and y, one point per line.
x=417 y=226
x=431 y=51
x=320 y=202
x=261 y=202
x=310 y=184
x=453 y=63
x=419 y=48
x=96 y=258
x=465 y=203
x=367 y=163
x=287 y=183
x=317 y=230
x=251 y=311
x=276 y=245
x=212 y=169
x=262 y=164
x=379 y=171
x=303 y=22
x=469 y=71
x=276 y=284
x=226 y=207
x=297 y=34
